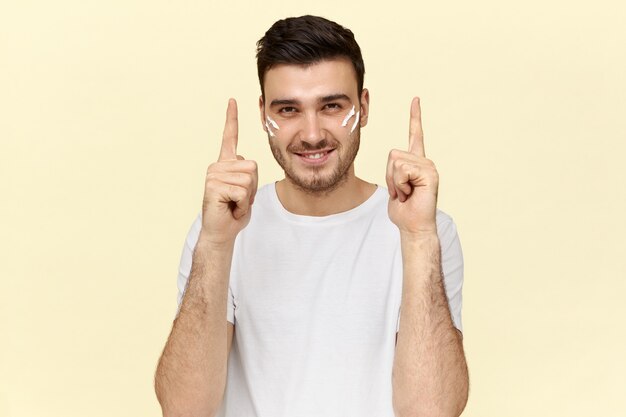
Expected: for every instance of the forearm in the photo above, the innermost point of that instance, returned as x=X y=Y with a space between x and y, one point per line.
x=191 y=374
x=429 y=371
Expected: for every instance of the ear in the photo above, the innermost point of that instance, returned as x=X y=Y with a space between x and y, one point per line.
x=262 y=113
x=365 y=107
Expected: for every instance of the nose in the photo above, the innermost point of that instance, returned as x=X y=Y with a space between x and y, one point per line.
x=311 y=130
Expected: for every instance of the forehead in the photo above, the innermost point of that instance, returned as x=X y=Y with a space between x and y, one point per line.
x=311 y=81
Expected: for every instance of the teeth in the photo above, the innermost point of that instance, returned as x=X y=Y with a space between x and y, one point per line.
x=315 y=156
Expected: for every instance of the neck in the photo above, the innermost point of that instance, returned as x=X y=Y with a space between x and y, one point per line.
x=351 y=193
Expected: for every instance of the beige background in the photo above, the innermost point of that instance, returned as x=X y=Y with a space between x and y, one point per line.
x=111 y=111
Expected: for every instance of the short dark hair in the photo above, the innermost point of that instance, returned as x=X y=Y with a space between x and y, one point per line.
x=307 y=40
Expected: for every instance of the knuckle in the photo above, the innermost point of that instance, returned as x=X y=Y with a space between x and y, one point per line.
x=398 y=164
x=211 y=168
x=395 y=154
x=430 y=165
x=250 y=181
x=251 y=166
x=211 y=180
x=213 y=172
x=405 y=167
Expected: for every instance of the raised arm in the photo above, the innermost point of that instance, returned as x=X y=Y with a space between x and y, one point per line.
x=429 y=372
x=191 y=373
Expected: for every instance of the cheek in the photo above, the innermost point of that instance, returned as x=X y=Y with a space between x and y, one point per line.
x=351 y=120
x=280 y=142
x=280 y=128
x=271 y=126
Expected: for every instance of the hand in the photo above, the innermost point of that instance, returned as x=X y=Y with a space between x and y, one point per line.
x=230 y=187
x=413 y=182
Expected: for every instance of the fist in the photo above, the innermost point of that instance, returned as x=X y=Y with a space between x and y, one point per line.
x=229 y=188
x=413 y=182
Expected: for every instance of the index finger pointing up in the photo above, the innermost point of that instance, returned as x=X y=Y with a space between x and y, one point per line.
x=231 y=131
x=416 y=134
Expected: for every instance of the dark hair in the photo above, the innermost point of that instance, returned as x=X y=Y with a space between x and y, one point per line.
x=307 y=40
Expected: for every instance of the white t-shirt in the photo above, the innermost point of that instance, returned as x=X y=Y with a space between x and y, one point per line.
x=316 y=307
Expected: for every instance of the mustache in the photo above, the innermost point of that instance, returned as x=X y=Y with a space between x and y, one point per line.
x=307 y=147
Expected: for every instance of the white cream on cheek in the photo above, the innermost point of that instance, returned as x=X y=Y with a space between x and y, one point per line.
x=270 y=122
x=349 y=116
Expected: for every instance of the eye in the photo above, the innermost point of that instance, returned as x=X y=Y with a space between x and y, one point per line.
x=333 y=106
x=288 y=109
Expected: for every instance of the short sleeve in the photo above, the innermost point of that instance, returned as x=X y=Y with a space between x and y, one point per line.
x=451 y=265
x=184 y=269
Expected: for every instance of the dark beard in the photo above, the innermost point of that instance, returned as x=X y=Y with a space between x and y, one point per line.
x=320 y=186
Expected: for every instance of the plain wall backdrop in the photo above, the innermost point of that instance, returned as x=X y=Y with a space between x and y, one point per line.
x=110 y=113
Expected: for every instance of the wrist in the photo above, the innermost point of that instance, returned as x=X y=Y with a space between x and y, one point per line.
x=420 y=244
x=208 y=242
x=425 y=235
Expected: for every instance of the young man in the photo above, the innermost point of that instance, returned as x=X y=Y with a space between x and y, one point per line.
x=310 y=272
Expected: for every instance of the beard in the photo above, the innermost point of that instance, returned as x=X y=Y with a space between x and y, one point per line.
x=313 y=181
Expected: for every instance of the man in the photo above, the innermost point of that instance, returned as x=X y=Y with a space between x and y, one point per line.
x=311 y=272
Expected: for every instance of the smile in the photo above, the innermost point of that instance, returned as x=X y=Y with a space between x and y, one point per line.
x=318 y=157
x=315 y=156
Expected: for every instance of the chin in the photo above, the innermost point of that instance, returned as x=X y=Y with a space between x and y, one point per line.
x=317 y=184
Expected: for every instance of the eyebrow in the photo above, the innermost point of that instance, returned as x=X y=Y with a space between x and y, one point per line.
x=334 y=97
x=325 y=99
